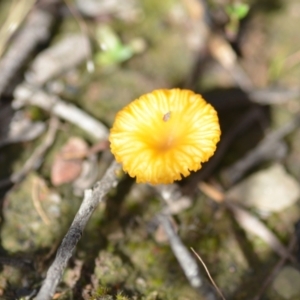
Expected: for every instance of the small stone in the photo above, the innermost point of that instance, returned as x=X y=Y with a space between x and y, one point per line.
x=286 y=284
x=269 y=190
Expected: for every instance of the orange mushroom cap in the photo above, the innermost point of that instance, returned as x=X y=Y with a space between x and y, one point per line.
x=164 y=134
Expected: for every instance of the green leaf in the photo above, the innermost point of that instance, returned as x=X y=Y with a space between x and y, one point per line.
x=237 y=10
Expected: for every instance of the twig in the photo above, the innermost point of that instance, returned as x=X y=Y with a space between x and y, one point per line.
x=273 y=95
x=275 y=270
x=36 y=158
x=253 y=225
x=35 y=31
x=52 y=62
x=222 y=51
x=36 y=202
x=28 y=95
x=17 y=13
x=17 y=127
x=266 y=149
x=92 y=198
x=248 y=221
x=85 y=31
x=208 y=273
x=174 y=199
x=186 y=261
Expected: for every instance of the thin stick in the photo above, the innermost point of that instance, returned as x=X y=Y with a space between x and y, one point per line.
x=36 y=158
x=36 y=202
x=208 y=274
x=85 y=31
x=275 y=270
x=186 y=261
x=248 y=221
x=29 y=95
x=266 y=149
x=92 y=198
x=17 y=13
x=35 y=31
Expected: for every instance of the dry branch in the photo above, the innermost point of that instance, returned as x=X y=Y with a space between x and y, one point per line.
x=186 y=261
x=275 y=270
x=248 y=221
x=52 y=62
x=270 y=147
x=273 y=95
x=28 y=95
x=17 y=127
x=35 y=31
x=16 y=15
x=92 y=198
x=36 y=158
x=253 y=225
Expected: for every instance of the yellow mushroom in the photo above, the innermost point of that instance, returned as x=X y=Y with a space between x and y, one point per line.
x=164 y=134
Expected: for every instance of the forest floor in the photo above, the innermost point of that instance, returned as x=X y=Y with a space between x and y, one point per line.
x=66 y=69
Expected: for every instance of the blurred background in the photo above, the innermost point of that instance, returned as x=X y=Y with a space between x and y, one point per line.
x=66 y=69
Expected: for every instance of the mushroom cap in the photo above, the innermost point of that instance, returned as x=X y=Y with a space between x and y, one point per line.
x=164 y=134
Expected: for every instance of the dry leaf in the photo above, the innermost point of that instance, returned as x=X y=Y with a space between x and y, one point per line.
x=68 y=162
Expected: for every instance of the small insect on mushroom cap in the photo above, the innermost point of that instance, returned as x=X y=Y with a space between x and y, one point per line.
x=164 y=135
x=167 y=116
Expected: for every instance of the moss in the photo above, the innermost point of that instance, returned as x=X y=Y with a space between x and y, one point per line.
x=153 y=26
x=25 y=228
x=106 y=94
x=110 y=269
